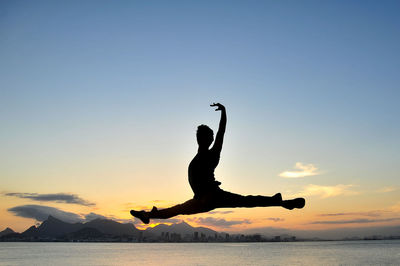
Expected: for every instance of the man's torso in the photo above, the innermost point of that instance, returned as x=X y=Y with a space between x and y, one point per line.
x=201 y=172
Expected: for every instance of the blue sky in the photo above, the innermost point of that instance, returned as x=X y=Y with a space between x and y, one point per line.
x=95 y=83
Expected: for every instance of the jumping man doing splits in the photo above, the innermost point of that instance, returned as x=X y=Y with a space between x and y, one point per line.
x=207 y=193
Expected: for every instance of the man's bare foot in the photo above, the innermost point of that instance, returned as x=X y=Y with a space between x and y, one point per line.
x=297 y=203
x=142 y=215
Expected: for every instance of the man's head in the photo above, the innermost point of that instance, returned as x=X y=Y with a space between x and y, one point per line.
x=205 y=136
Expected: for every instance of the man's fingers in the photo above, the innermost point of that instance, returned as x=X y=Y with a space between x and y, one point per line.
x=218 y=105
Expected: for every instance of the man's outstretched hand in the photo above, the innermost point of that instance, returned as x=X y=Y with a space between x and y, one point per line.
x=219 y=106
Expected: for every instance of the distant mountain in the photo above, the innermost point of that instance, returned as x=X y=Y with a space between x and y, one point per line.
x=55 y=228
x=86 y=233
x=30 y=232
x=6 y=231
x=100 y=229
x=112 y=227
x=182 y=228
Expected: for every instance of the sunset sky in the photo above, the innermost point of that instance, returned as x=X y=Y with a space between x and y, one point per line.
x=100 y=100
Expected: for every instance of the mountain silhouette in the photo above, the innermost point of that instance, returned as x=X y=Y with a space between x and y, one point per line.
x=6 y=231
x=112 y=227
x=31 y=232
x=86 y=233
x=100 y=229
x=53 y=227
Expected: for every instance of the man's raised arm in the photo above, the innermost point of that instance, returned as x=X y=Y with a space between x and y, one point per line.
x=219 y=139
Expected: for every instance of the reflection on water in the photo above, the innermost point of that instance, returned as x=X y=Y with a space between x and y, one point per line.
x=293 y=253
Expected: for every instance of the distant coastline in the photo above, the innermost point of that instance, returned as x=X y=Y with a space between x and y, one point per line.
x=104 y=230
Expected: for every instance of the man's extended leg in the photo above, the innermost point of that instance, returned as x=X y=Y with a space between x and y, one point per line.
x=191 y=206
x=231 y=200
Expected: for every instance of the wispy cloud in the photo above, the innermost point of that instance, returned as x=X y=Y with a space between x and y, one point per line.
x=356 y=221
x=220 y=212
x=302 y=170
x=276 y=219
x=55 y=197
x=218 y=222
x=387 y=189
x=368 y=214
x=328 y=191
x=41 y=213
x=168 y=221
x=93 y=216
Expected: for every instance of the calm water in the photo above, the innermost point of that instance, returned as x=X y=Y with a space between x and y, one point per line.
x=297 y=253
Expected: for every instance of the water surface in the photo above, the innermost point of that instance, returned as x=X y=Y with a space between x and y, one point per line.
x=284 y=253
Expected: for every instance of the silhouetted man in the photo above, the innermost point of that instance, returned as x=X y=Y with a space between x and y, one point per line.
x=207 y=193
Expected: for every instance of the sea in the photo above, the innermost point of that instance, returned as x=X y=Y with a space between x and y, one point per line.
x=376 y=252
